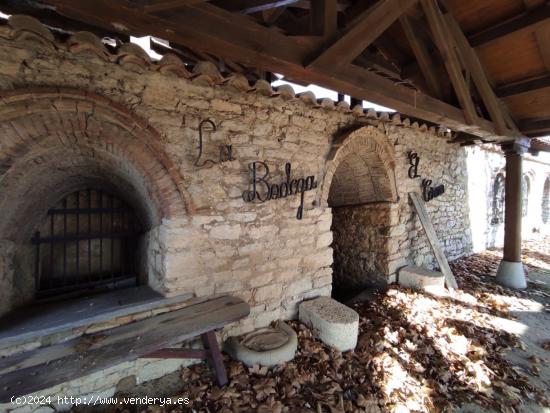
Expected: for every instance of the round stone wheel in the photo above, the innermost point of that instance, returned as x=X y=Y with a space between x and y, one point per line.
x=268 y=346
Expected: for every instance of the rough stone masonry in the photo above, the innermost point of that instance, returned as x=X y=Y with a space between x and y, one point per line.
x=73 y=114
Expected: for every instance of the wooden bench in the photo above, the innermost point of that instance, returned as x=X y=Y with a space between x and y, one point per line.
x=30 y=371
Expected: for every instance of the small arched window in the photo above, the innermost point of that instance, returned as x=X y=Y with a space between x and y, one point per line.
x=525 y=189
x=498 y=200
x=546 y=201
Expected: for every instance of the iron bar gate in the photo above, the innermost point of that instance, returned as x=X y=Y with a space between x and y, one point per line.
x=91 y=240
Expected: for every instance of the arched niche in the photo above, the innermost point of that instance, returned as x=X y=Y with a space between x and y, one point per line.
x=57 y=141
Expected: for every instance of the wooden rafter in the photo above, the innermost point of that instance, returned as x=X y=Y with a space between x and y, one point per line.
x=529 y=20
x=494 y=107
x=161 y=5
x=423 y=57
x=379 y=63
x=270 y=16
x=445 y=44
x=365 y=29
x=255 y=6
x=324 y=20
x=523 y=86
x=543 y=39
x=535 y=127
x=240 y=39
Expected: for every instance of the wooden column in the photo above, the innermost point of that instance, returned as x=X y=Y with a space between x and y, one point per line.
x=510 y=272
x=512 y=211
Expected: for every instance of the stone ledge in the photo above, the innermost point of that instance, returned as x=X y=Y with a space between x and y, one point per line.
x=421 y=279
x=333 y=323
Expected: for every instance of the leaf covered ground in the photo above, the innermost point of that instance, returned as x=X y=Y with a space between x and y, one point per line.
x=415 y=353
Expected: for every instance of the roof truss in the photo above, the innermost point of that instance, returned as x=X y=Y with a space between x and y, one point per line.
x=345 y=45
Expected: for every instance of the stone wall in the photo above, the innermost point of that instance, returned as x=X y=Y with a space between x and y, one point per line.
x=361 y=246
x=373 y=241
x=73 y=115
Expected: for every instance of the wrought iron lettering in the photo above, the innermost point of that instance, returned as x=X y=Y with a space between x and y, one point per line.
x=414 y=160
x=262 y=190
x=429 y=192
x=226 y=151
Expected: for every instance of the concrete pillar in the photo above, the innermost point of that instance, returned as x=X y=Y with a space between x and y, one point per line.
x=510 y=271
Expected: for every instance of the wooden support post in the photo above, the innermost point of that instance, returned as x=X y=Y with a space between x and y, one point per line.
x=211 y=353
x=215 y=357
x=324 y=18
x=510 y=271
x=432 y=239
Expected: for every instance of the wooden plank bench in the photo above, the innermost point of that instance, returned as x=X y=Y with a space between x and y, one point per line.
x=34 y=370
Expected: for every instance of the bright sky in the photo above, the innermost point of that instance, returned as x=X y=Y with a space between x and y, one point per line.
x=319 y=92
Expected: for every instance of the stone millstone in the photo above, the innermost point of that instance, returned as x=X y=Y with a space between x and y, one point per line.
x=421 y=279
x=333 y=323
x=267 y=346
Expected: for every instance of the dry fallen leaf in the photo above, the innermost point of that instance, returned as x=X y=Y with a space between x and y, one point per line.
x=415 y=352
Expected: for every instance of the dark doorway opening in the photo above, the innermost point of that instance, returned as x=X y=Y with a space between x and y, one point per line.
x=87 y=241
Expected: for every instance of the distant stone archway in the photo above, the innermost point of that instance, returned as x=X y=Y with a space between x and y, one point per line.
x=360 y=170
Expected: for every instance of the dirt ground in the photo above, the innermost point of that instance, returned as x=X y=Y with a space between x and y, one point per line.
x=482 y=349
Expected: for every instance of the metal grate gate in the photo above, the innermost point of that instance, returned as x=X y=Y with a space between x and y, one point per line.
x=91 y=240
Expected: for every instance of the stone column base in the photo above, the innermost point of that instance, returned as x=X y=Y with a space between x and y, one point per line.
x=511 y=275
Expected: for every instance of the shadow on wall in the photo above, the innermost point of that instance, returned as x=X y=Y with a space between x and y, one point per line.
x=361 y=236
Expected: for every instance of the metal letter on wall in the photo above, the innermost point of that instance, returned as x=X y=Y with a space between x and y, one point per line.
x=262 y=190
x=428 y=192
x=226 y=151
x=414 y=160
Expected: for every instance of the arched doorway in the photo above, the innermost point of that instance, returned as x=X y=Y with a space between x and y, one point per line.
x=360 y=188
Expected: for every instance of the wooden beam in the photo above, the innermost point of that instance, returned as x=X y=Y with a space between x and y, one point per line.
x=270 y=16
x=523 y=86
x=444 y=43
x=426 y=222
x=537 y=127
x=531 y=4
x=324 y=16
x=543 y=39
x=49 y=17
x=365 y=29
x=379 y=63
x=423 y=57
x=253 y=6
x=529 y=20
x=161 y=5
x=478 y=74
x=238 y=38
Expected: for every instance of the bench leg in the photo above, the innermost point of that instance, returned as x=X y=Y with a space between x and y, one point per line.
x=215 y=357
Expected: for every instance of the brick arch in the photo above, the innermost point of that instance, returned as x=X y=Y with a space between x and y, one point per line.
x=360 y=170
x=58 y=126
